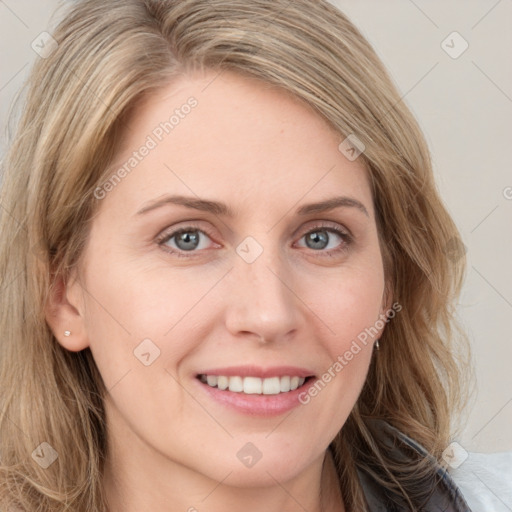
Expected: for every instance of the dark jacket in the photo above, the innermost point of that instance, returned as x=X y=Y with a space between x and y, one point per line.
x=445 y=495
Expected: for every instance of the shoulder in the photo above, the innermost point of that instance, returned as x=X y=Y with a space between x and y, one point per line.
x=444 y=494
x=486 y=480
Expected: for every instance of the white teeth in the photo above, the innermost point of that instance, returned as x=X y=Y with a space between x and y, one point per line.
x=285 y=384
x=236 y=384
x=222 y=382
x=212 y=380
x=254 y=385
x=272 y=386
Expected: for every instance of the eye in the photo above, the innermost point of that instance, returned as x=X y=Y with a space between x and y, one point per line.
x=320 y=237
x=191 y=239
x=186 y=239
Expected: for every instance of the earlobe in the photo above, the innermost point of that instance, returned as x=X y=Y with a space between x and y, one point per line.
x=64 y=317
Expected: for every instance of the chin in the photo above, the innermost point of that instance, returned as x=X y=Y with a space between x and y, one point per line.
x=248 y=468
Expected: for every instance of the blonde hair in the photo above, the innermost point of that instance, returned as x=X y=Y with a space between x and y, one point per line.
x=110 y=54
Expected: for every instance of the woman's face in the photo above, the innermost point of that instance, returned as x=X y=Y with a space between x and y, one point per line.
x=258 y=288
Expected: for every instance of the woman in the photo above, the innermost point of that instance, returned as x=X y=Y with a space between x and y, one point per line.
x=229 y=277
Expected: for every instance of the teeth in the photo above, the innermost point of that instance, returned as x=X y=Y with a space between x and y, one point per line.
x=254 y=385
x=236 y=384
x=272 y=386
x=222 y=382
x=285 y=384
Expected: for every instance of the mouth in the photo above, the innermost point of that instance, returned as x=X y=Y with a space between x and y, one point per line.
x=255 y=391
x=251 y=385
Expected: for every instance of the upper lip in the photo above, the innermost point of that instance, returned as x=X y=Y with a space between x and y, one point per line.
x=259 y=371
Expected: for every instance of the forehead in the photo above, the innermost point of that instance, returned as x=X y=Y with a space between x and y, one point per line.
x=238 y=139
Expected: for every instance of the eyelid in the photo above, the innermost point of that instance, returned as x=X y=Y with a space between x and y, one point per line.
x=326 y=224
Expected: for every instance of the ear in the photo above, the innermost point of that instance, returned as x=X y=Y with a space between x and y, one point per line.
x=64 y=312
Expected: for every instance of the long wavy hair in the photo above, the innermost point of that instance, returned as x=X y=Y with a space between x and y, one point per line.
x=77 y=102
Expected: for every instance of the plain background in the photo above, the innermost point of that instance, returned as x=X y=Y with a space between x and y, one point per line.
x=464 y=106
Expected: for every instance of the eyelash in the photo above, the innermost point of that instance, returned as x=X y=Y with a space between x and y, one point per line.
x=165 y=237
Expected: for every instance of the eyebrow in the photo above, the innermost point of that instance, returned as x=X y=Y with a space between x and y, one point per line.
x=222 y=209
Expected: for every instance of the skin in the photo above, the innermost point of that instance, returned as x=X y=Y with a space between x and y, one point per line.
x=264 y=154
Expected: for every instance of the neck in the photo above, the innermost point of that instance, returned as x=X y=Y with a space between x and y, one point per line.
x=331 y=499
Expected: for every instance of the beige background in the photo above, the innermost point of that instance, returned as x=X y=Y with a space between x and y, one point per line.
x=464 y=106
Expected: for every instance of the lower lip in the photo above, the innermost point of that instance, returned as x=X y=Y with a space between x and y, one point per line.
x=257 y=405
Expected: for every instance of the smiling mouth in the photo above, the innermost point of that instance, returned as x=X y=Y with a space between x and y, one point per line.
x=254 y=385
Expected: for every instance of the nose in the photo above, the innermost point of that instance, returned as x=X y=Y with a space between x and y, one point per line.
x=261 y=303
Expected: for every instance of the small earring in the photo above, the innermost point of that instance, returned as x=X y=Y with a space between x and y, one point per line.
x=67 y=333
x=377 y=346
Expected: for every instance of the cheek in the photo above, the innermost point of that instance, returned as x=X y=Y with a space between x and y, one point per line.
x=353 y=313
x=349 y=320
x=349 y=304
x=139 y=301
